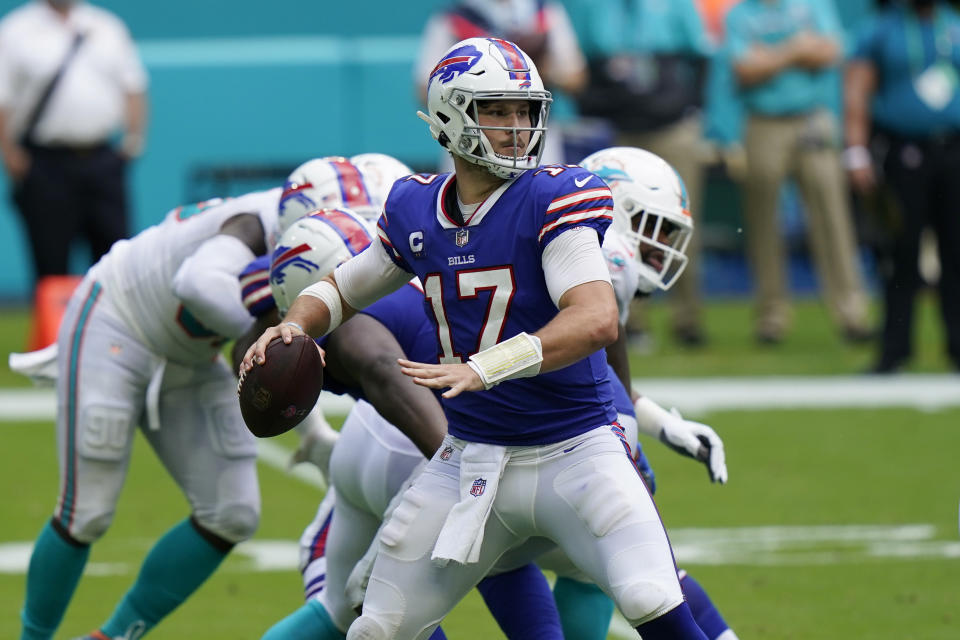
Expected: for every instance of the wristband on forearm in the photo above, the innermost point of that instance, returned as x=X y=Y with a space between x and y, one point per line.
x=650 y=416
x=518 y=357
x=329 y=296
x=856 y=157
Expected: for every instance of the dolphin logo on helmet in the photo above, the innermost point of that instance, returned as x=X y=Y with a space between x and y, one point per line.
x=609 y=174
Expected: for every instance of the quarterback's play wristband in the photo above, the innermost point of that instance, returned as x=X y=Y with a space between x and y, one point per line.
x=518 y=357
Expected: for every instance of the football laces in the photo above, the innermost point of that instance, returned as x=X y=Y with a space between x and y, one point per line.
x=243 y=374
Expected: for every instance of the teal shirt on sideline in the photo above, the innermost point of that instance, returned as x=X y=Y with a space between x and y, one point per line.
x=770 y=22
x=608 y=27
x=902 y=47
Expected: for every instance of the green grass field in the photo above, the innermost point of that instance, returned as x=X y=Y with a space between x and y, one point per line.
x=836 y=524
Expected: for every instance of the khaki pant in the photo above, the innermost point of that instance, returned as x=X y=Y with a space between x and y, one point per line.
x=803 y=147
x=681 y=145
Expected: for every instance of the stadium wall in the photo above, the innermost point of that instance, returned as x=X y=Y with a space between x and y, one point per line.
x=243 y=91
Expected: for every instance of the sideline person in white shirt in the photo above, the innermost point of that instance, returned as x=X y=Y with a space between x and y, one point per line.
x=67 y=176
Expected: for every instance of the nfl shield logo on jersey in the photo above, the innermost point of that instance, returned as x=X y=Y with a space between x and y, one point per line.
x=463 y=235
x=446 y=453
x=479 y=485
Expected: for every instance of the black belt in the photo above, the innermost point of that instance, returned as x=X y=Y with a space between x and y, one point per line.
x=68 y=150
x=940 y=140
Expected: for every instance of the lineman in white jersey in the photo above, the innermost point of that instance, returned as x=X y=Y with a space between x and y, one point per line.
x=650 y=213
x=174 y=291
x=139 y=347
x=650 y=210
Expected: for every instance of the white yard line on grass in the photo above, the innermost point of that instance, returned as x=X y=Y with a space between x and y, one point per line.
x=928 y=392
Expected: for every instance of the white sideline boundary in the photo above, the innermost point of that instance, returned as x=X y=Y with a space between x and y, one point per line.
x=926 y=392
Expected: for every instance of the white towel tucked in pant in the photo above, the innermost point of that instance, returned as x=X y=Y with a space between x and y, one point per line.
x=460 y=538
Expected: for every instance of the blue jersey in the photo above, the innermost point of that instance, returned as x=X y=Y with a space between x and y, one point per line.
x=483 y=283
x=255 y=287
x=621 y=399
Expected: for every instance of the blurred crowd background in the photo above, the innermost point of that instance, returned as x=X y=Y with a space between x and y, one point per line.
x=787 y=171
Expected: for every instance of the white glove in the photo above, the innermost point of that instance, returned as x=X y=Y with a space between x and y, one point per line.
x=686 y=437
x=317 y=438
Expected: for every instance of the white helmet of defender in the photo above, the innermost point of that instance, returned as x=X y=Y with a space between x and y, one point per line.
x=311 y=248
x=478 y=69
x=650 y=210
x=379 y=172
x=320 y=183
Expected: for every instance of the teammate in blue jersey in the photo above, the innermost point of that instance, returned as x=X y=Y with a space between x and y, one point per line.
x=515 y=281
x=372 y=458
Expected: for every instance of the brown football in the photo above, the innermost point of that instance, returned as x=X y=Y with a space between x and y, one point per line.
x=277 y=395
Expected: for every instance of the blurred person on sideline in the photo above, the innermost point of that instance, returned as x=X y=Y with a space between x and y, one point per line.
x=647 y=61
x=903 y=157
x=781 y=51
x=540 y=27
x=70 y=80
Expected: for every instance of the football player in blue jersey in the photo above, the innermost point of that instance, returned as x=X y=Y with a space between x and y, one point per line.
x=372 y=458
x=520 y=297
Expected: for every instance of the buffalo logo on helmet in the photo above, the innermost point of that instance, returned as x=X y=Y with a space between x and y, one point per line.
x=456 y=63
x=289 y=258
x=294 y=192
x=479 y=486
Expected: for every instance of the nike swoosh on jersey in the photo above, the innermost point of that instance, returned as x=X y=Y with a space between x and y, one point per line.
x=574 y=446
x=581 y=181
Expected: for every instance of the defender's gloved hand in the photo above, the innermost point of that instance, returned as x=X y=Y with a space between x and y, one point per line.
x=686 y=437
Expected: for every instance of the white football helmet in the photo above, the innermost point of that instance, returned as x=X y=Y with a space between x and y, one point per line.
x=311 y=248
x=485 y=69
x=323 y=183
x=379 y=172
x=650 y=210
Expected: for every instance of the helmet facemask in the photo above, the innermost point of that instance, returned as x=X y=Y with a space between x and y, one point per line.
x=650 y=212
x=475 y=143
x=659 y=244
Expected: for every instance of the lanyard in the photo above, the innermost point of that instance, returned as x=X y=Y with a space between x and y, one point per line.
x=914 y=37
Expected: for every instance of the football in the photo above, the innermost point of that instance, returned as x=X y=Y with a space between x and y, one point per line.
x=277 y=395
